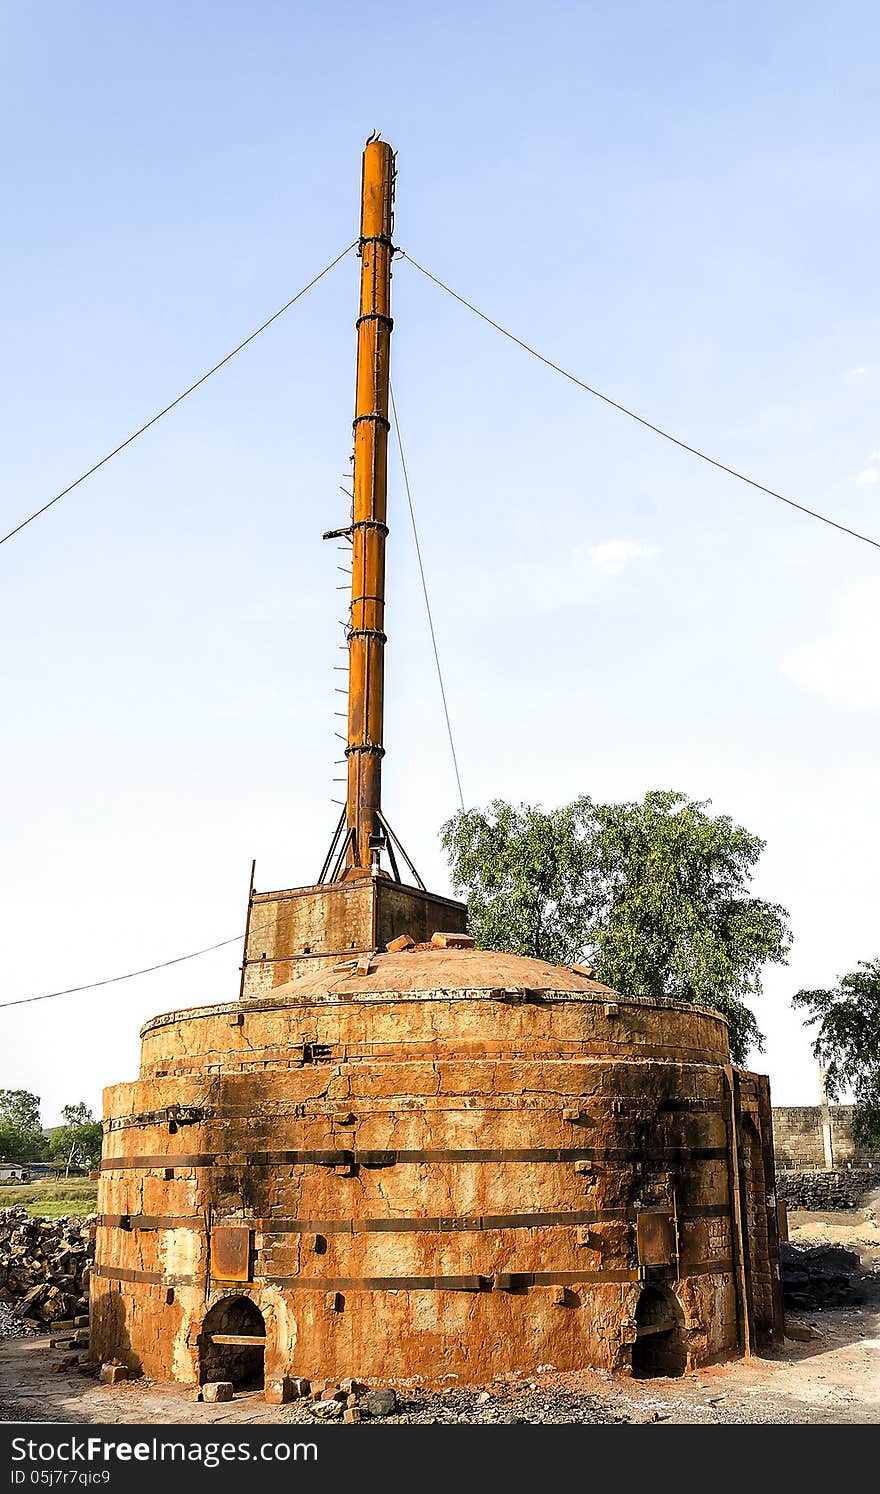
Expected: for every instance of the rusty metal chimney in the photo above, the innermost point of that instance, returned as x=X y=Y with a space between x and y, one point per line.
x=366 y=636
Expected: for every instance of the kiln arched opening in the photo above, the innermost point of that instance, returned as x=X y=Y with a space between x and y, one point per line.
x=659 y=1346
x=232 y=1344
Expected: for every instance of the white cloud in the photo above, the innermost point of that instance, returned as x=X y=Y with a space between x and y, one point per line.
x=575 y=579
x=841 y=664
x=870 y=475
x=613 y=556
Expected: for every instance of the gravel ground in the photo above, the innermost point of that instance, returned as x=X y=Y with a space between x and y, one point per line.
x=830 y=1379
x=12 y=1326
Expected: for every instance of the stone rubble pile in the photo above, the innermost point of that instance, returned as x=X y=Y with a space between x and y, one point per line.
x=329 y=1400
x=350 y=1400
x=44 y=1265
x=822 y=1276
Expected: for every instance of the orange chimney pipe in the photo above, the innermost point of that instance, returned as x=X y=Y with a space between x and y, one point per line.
x=366 y=630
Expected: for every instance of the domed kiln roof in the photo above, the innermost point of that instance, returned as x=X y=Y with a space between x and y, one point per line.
x=440 y=970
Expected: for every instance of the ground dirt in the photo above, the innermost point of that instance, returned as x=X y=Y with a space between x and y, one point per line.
x=834 y=1378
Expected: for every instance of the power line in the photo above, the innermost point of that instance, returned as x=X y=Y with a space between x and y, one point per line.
x=113 y=979
x=167 y=408
x=425 y=590
x=649 y=424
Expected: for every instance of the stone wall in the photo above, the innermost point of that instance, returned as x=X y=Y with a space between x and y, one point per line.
x=798 y=1140
x=836 y=1188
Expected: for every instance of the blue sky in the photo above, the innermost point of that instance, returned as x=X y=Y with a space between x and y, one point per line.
x=677 y=202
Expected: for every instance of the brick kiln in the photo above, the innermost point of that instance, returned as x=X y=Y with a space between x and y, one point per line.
x=394 y=1154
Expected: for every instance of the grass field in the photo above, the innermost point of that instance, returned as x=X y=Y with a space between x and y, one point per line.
x=52 y=1196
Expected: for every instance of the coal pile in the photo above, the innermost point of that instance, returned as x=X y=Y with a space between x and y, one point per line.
x=44 y=1266
x=540 y=1407
x=816 y=1277
x=526 y=1404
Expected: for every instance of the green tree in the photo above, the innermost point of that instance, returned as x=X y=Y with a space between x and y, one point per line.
x=655 y=894
x=21 y=1133
x=848 y=1043
x=78 y=1142
x=527 y=877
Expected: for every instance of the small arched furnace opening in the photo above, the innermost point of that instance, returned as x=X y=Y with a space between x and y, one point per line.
x=659 y=1347
x=232 y=1344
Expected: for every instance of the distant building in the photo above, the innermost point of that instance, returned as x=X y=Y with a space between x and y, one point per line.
x=14 y=1172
